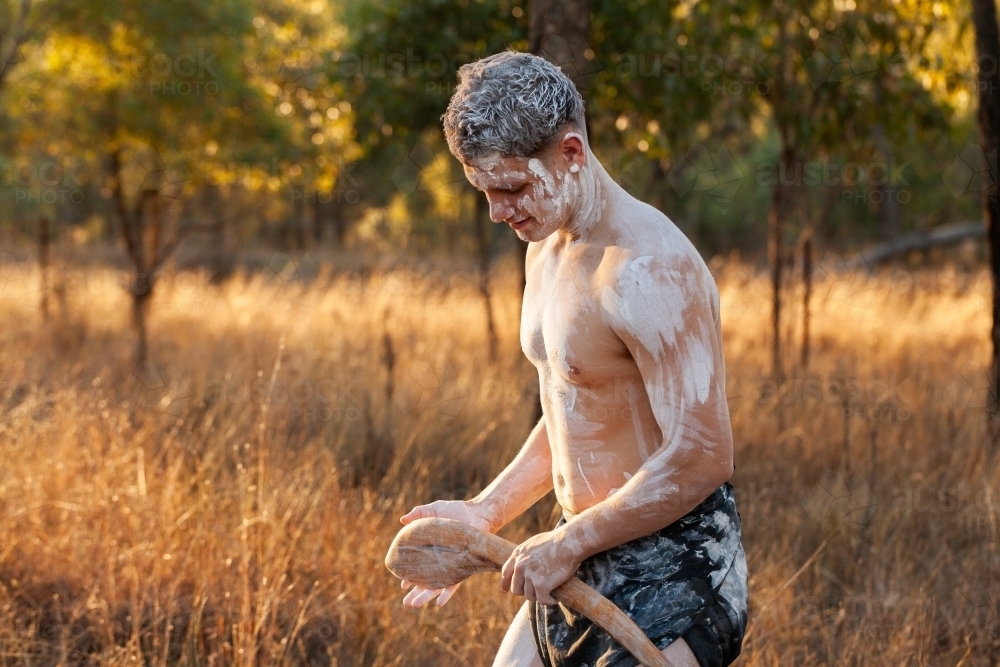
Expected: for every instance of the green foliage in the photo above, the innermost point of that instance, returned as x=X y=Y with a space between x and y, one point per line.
x=688 y=102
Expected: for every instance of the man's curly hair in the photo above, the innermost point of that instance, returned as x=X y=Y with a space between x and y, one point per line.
x=512 y=103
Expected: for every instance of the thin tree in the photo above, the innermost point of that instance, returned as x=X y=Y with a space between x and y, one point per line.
x=151 y=234
x=558 y=32
x=984 y=19
x=44 y=242
x=21 y=21
x=805 y=250
x=481 y=222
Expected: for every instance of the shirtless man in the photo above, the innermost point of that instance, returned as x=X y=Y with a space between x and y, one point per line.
x=621 y=318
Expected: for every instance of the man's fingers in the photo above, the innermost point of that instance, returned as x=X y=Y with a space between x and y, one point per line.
x=418 y=595
x=427 y=595
x=506 y=572
x=412 y=515
x=447 y=595
x=414 y=592
x=413 y=597
x=404 y=584
x=517 y=582
x=545 y=598
x=529 y=590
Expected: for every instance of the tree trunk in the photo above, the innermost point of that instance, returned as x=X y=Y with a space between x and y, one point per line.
x=984 y=18
x=142 y=290
x=780 y=200
x=317 y=217
x=142 y=282
x=43 y=264
x=558 y=32
x=299 y=221
x=480 y=221
x=292 y=233
x=806 y=248
x=336 y=219
x=221 y=259
x=889 y=225
x=657 y=186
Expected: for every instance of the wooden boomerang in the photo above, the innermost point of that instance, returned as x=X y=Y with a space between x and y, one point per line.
x=437 y=553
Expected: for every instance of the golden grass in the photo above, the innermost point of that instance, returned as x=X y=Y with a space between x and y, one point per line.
x=231 y=502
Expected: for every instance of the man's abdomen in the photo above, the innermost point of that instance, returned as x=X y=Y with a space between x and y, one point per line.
x=599 y=439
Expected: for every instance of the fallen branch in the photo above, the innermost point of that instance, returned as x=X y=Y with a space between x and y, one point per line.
x=939 y=236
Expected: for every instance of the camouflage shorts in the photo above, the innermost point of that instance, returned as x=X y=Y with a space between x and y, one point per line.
x=687 y=580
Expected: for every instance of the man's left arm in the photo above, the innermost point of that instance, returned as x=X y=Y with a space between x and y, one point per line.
x=667 y=316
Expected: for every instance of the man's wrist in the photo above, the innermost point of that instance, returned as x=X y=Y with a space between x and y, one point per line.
x=490 y=510
x=579 y=537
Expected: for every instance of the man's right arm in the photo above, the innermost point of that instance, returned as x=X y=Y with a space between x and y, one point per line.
x=521 y=484
x=526 y=479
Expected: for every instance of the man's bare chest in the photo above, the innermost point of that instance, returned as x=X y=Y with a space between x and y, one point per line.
x=564 y=323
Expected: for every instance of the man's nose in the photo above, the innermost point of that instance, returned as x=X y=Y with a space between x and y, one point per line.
x=500 y=209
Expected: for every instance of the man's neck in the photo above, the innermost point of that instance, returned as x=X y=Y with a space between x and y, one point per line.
x=597 y=203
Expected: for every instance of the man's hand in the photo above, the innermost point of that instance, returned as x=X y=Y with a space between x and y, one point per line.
x=538 y=566
x=459 y=510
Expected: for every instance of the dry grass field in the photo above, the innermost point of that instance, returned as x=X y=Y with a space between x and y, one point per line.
x=230 y=502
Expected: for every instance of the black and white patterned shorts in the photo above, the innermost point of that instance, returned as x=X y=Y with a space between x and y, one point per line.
x=686 y=580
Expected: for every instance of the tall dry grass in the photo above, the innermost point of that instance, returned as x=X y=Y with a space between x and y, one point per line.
x=231 y=501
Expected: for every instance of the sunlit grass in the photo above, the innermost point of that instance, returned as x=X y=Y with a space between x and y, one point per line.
x=231 y=501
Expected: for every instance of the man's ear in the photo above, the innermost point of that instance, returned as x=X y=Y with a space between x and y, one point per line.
x=573 y=150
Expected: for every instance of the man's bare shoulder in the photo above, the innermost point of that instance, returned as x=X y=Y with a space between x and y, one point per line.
x=653 y=277
x=647 y=241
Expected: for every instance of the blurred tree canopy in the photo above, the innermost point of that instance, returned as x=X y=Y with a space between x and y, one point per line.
x=316 y=123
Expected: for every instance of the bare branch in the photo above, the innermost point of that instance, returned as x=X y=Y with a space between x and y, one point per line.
x=121 y=208
x=18 y=36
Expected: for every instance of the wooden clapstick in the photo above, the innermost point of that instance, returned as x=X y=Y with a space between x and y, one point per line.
x=437 y=553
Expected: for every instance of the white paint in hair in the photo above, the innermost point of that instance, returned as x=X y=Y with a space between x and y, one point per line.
x=513 y=103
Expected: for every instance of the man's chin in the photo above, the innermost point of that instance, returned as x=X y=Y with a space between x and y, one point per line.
x=532 y=232
x=531 y=236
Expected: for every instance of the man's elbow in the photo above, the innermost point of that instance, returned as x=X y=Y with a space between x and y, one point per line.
x=719 y=472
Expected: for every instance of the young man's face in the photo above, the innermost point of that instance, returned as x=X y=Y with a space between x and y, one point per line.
x=532 y=195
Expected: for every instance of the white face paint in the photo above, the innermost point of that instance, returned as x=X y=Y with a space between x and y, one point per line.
x=486 y=162
x=539 y=199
